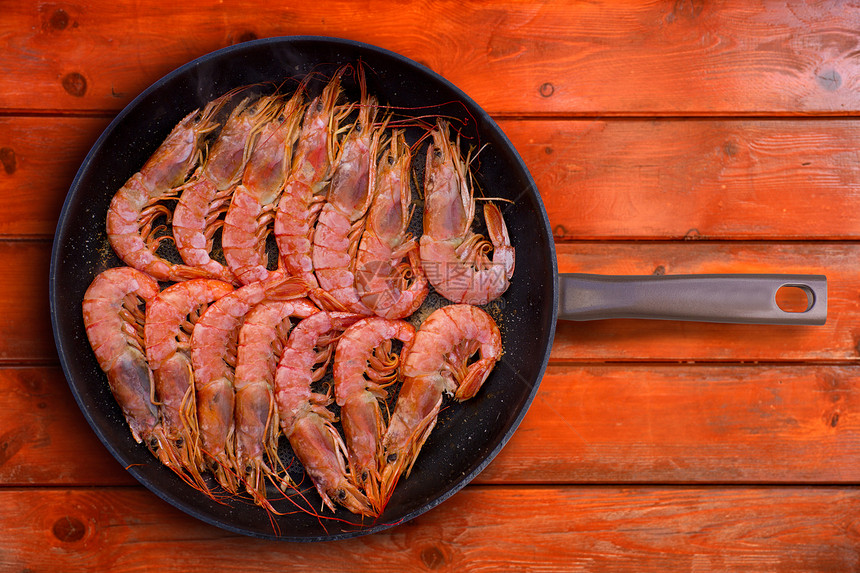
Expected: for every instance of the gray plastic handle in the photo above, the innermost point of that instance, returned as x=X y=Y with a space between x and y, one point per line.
x=745 y=299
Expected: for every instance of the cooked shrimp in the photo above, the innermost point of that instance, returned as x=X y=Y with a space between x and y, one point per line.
x=213 y=357
x=453 y=256
x=252 y=209
x=364 y=366
x=341 y=220
x=305 y=418
x=206 y=197
x=170 y=318
x=438 y=363
x=307 y=184
x=114 y=323
x=261 y=340
x=140 y=201
x=389 y=277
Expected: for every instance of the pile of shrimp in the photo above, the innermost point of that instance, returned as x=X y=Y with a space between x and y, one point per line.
x=215 y=359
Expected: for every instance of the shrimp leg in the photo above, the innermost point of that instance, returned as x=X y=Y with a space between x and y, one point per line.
x=438 y=363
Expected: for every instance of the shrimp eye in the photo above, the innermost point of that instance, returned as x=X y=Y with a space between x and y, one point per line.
x=392 y=458
x=319 y=105
x=364 y=475
x=437 y=153
x=341 y=494
x=179 y=442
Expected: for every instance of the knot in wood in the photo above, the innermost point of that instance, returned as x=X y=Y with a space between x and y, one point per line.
x=8 y=160
x=59 y=20
x=75 y=84
x=433 y=557
x=69 y=529
x=830 y=80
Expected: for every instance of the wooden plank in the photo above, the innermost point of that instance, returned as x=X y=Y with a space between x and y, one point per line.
x=607 y=528
x=681 y=423
x=39 y=157
x=695 y=178
x=25 y=318
x=44 y=437
x=586 y=58
x=25 y=332
x=587 y=424
x=656 y=340
x=745 y=179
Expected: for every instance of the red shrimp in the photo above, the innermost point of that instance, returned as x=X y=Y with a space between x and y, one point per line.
x=252 y=209
x=341 y=219
x=454 y=257
x=438 y=363
x=170 y=318
x=304 y=191
x=213 y=357
x=140 y=201
x=363 y=367
x=305 y=418
x=206 y=197
x=261 y=340
x=114 y=322
x=389 y=277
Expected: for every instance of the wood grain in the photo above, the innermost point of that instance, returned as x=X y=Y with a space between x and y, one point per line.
x=665 y=138
x=680 y=424
x=605 y=528
x=25 y=320
x=44 y=437
x=681 y=58
x=699 y=179
x=636 y=423
x=741 y=179
x=40 y=156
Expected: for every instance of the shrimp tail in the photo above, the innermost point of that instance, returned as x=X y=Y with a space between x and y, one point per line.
x=289 y=288
x=474 y=378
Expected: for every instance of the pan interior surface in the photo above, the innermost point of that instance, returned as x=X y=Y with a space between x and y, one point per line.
x=468 y=435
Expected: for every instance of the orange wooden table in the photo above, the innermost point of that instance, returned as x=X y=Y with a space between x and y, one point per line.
x=665 y=137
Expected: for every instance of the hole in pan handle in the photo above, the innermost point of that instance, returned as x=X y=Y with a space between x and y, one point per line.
x=742 y=299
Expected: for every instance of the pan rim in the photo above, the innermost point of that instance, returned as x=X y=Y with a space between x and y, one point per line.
x=62 y=230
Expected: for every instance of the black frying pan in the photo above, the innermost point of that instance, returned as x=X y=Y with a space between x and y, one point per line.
x=467 y=436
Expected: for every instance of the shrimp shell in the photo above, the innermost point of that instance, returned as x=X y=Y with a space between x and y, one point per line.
x=114 y=324
x=167 y=333
x=261 y=339
x=341 y=220
x=304 y=191
x=252 y=209
x=453 y=256
x=140 y=201
x=363 y=367
x=213 y=357
x=305 y=418
x=437 y=364
x=208 y=194
x=389 y=277
x=114 y=328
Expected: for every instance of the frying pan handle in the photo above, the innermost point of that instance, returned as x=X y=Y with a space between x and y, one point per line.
x=745 y=299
